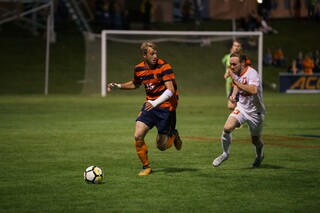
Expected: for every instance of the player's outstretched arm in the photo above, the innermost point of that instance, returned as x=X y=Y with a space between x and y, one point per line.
x=126 y=86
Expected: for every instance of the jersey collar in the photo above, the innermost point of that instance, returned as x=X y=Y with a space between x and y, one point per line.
x=244 y=71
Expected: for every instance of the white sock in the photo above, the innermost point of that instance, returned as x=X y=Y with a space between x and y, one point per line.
x=225 y=142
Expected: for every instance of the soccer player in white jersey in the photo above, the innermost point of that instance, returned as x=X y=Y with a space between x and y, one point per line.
x=250 y=108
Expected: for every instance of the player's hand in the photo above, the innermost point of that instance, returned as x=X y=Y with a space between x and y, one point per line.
x=230 y=73
x=148 y=105
x=232 y=98
x=113 y=86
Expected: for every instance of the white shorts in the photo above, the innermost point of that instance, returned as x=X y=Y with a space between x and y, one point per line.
x=254 y=120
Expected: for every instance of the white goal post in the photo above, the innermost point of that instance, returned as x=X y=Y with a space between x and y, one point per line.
x=222 y=34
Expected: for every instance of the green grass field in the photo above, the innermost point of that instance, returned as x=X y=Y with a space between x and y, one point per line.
x=47 y=142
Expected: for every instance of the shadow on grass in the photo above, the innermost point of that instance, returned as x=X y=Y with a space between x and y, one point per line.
x=271 y=166
x=175 y=170
x=268 y=166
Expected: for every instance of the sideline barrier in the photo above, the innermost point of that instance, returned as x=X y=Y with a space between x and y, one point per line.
x=299 y=83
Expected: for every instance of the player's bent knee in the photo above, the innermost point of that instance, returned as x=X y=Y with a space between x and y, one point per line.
x=138 y=137
x=227 y=129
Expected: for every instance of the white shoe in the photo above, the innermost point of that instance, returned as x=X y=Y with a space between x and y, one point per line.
x=219 y=160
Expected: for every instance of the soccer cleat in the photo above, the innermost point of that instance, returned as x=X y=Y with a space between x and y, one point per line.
x=146 y=170
x=257 y=162
x=219 y=160
x=177 y=141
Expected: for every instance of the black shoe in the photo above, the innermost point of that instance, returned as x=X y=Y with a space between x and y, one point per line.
x=257 y=162
x=177 y=141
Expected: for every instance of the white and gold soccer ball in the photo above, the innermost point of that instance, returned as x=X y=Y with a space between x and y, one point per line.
x=93 y=174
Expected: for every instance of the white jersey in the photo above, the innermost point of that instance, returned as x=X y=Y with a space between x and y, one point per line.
x=250 y=103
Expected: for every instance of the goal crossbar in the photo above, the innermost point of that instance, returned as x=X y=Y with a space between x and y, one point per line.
x=105 y=33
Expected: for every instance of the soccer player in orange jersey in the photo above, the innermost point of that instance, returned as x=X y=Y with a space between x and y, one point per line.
x=159 y=108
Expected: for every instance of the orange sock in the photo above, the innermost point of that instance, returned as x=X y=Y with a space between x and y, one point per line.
x=142 y=152
x=171 y=140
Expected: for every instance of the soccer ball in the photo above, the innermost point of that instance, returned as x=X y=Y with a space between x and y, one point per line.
x=93 y=174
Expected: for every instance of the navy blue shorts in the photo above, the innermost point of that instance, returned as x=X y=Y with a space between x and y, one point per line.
x=231 y=91
x=162 y=118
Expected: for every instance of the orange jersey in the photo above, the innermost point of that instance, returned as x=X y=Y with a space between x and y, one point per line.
x=308 y=66
x=154 y=82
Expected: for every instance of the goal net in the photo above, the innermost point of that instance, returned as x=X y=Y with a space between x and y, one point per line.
x=195 y=57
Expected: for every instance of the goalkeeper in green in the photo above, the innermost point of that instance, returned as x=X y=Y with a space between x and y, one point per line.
x=236 y=46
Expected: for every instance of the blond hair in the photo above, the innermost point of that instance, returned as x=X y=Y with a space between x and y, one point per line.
x=145 y=45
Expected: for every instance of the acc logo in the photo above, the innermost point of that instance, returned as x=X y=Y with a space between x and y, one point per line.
x=306 y=82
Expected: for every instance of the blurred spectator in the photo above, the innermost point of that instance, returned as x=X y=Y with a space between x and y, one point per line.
x=297 y=8
x=278 y=57
x=109 y=14
x=317 y=15
x=187 y=10
x=308 y=64
x=293 y=68
x=103 y=13
x=198 y=7
x=256 y=22
x=146 y=10
x=265 y=27
x=311 y=8
x=316 y=59
x=264 y=9
x=299 y=62
x=310 y=60
x=252 y=23
x=126 y=20
x=102 y=10
x=267 y=58
x=116 y=14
